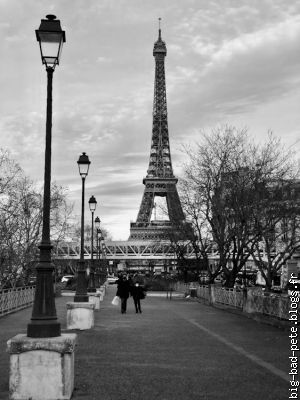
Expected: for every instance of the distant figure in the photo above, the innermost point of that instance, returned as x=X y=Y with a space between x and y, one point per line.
x=123 y=292
x=138 y=293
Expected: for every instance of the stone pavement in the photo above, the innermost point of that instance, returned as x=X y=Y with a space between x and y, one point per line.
x=174 y=350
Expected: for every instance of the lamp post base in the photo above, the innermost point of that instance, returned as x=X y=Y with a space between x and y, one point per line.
x=81 y=298
x=43 y=329
x=81 y=295
x=41 y=369
x=95 y=298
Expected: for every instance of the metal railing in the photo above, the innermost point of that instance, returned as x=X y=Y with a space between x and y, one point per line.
x=12 y=300
x=229 y=297
x=275 y=306
x=203 y=292
x=254 y=301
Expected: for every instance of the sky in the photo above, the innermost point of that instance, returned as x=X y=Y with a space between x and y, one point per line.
x=233 y=62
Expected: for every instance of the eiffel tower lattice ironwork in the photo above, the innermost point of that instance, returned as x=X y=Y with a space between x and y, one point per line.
x=160 y=180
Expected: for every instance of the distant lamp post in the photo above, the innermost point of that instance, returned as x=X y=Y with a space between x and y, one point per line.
x=103 y=250
x=97 y=223
x=92 y=287
x=97 y=273
x=98 y=231
x=81 y=287
x=44 y=321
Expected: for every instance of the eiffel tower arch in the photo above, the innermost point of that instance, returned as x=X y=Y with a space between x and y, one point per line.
x=160 y=182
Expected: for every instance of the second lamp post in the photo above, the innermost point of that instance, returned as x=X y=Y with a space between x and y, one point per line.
x=81 y=287
x=97 y=272
x=92 y=287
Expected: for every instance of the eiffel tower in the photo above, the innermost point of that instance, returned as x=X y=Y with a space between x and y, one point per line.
x=160 y=182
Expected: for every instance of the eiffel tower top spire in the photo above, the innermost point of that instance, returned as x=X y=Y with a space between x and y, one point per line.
x=159 y=30
x=160 y=165
x=159 y=45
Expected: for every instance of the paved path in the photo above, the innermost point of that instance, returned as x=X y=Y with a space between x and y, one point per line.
x=174 y=350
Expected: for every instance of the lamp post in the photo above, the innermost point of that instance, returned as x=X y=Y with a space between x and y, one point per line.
x=103 y=251
x=97 y=226
x=44 y=321
x=81 y=287
x=92 y=287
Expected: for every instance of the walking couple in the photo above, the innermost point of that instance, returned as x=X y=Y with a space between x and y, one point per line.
x=128 y=288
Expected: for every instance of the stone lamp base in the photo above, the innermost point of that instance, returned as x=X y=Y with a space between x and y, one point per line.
x=95 y=298
x=101 y=291
x=41 y=368
x=80 y=315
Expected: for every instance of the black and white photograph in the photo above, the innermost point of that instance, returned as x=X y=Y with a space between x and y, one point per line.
x=149 y=199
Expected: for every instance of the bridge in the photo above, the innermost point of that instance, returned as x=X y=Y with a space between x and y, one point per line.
x=126 y=250
x=133 y=255
x=221 y=355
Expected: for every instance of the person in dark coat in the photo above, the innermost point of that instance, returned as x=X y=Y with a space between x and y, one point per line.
x=138 y=293
x=123 y=292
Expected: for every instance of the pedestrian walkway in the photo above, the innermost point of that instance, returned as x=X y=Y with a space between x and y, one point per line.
x=174 y=350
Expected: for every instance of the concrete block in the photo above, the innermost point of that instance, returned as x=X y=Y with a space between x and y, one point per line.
x=95 y=298
x=80 y=315
x=41 y=368
x=68 y=293
x=104 y=287
x=101 y=291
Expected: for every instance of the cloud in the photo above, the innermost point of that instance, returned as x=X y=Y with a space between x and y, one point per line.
x=102 y=60
x=271 y=37
x=235 y=75
x=15 y=38
x=21 y=134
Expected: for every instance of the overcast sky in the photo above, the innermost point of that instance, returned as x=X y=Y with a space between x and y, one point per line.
x=228 y=61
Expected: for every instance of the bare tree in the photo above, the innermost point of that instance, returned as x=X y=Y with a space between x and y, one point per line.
x=88 y=232
x=235 y=180
x=201 y=239
x=218 y=171
x=276 y=208
x=21 y=214
x=11 y=178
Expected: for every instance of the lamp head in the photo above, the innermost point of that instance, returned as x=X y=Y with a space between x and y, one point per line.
x=97 y=223
x=51 y=38
x=83 y=165
x=92 y=204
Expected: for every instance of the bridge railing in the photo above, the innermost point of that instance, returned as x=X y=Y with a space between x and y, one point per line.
x=229 y=297
x=131 y=249
x=250 y=301
x=274 y=306
x=12 y=300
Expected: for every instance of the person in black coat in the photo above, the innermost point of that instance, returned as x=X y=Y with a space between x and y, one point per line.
x=123 y=292
x=138 y=293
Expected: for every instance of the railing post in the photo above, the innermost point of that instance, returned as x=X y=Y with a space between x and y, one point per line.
x=212 y=294
x=245 y=298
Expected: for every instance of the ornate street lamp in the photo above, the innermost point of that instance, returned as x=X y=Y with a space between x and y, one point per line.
x=92 y=287
x=98 y=231
x=97 y=272
x=44 y=321
x=81 y=287
x=97 y=223
x=103 y=251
